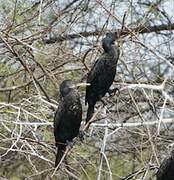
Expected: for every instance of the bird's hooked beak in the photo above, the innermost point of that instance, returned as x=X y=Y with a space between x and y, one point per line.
x=82 y=84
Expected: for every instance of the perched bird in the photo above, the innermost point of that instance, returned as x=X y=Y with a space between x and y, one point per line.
x=102 y=74
x=67 y=118
x=166 y=169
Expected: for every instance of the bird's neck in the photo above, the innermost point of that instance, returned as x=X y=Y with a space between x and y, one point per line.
x=66 y=92
x=113 y=52
x=72 y=94
x=107 y=47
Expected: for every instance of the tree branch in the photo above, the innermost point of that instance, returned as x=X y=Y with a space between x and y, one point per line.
x=139 y=29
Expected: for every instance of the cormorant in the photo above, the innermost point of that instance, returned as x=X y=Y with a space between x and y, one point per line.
x=166 y=169
x=102 y=74
x=67 y=118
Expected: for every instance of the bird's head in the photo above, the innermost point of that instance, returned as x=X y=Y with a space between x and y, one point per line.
x=109 y=41
x=68 y=85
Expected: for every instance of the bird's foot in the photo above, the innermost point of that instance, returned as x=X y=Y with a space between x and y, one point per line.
x=70 y=143
x=81 y=135
x=113 y=91
x=104 y=102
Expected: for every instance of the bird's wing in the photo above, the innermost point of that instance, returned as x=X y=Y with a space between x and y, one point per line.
x=95 y=70
x=58 y=116
x=163 y=169
x=95 y=73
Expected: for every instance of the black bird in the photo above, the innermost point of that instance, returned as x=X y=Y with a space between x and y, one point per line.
x=102 y=73
x=166 y=169
x=67 y=118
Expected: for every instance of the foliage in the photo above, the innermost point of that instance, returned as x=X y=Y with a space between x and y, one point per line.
x=45 y=42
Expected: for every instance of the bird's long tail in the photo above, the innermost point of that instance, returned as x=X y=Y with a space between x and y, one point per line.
x=60 y=151
x=90 y=113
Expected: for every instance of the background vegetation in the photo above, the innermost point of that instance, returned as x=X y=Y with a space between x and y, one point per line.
x=44 y=42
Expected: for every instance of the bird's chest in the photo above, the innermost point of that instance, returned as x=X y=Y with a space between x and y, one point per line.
x=110 y=65
x=73 y=109
x=108 y=73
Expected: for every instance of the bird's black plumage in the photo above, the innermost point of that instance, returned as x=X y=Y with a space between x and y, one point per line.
x=67 y=118
x=102 y=74
x=166 y=169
